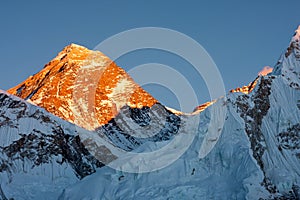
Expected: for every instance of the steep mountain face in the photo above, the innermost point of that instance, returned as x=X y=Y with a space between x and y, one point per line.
x=255 y=156
x=77 y=77
x=40 y=153
x=247 y=89
x=288 y=65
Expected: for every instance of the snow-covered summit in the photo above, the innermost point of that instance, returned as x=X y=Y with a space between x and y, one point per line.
x=288 y=66
x=297 y=34
x=294 y=44
x=79 y=83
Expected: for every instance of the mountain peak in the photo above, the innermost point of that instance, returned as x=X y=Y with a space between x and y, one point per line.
x=288 y=66
x=74 y=75
x=74 y=49
x=297 y=34
x=294 y=47
x=73 y=45
x=73 y=52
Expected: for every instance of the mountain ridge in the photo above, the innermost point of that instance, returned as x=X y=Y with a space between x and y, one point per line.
x=35 y=88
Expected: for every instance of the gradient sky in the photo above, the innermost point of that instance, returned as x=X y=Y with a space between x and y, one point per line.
x=241 y=36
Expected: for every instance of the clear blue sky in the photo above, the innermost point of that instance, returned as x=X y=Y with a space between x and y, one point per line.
x=241 y=36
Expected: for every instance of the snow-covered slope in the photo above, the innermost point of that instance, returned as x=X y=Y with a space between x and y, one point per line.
x=288 y=65
x=40 y=153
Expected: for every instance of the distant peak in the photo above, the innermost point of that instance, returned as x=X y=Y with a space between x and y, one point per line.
x=288 y=66
x=294 y=45
x=247 y=89
x=297 y=34
x=73 y=46
x=76 y=53
x=265 y=71
x=65 y=88
x=76 y=45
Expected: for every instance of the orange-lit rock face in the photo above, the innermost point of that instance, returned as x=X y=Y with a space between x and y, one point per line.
x=202 y=107
x=246 y=89
x=80 y=83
